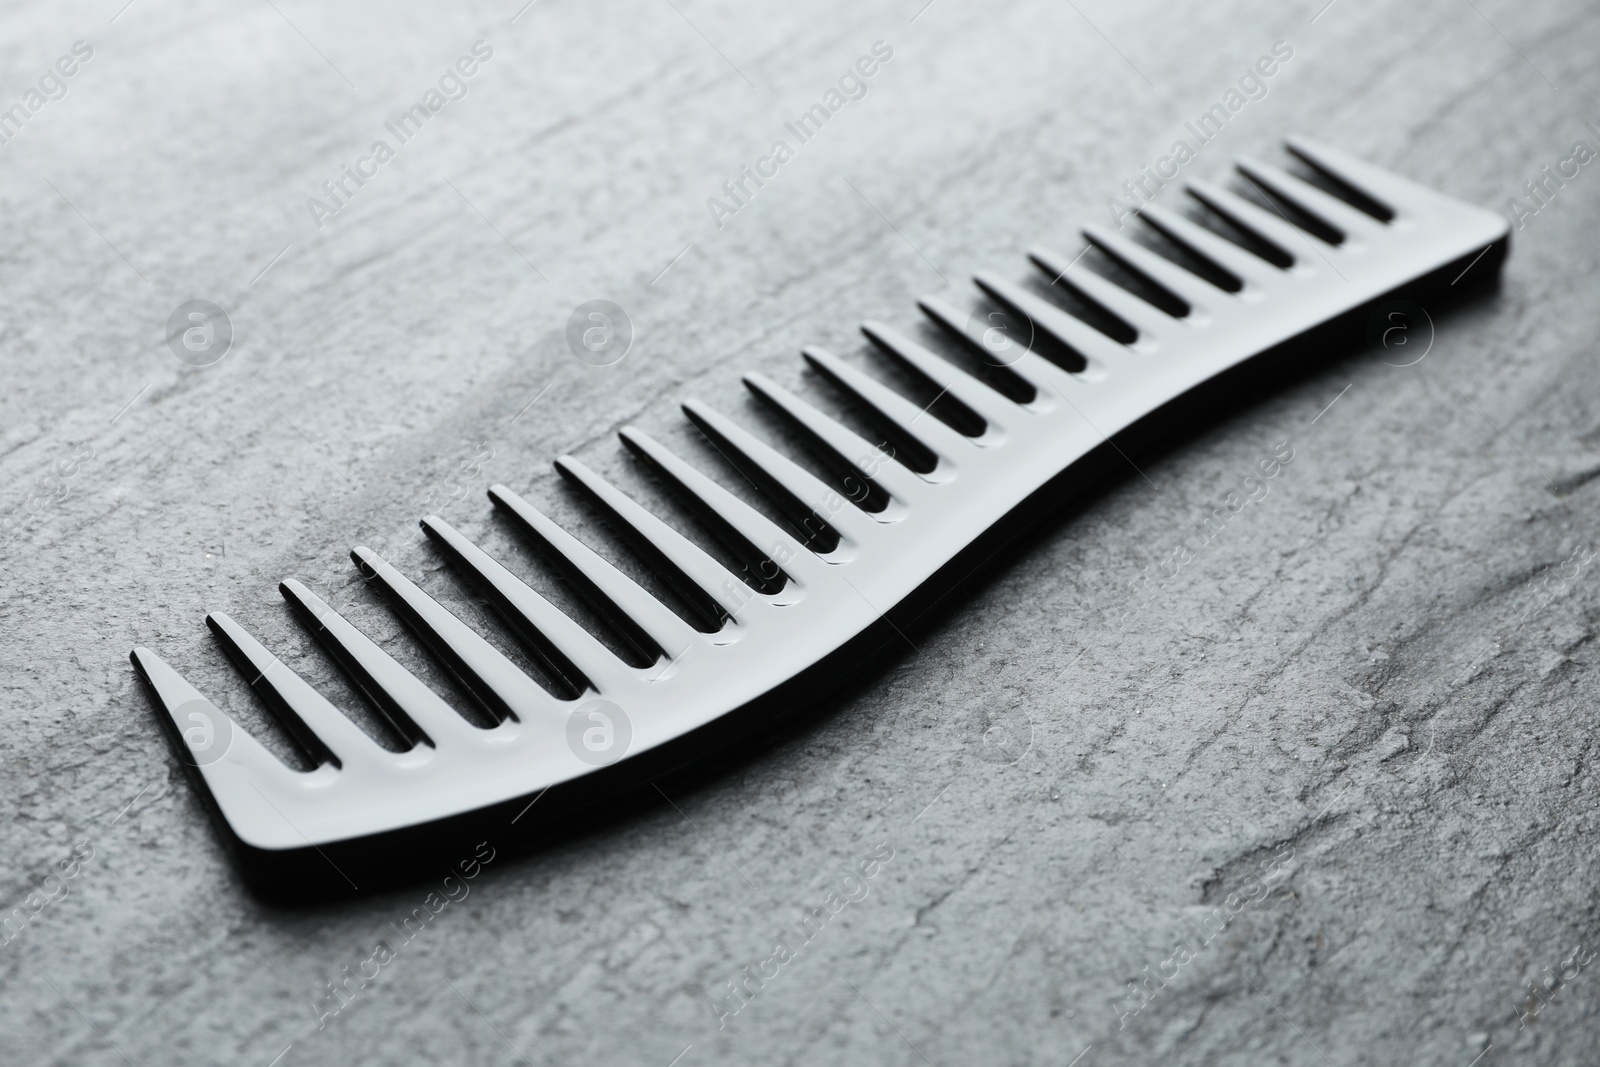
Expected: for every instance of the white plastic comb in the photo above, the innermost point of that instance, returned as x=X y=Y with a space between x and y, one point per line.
x=366 y=809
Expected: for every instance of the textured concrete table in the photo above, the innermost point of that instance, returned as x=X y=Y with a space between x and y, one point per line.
x=1343 y=755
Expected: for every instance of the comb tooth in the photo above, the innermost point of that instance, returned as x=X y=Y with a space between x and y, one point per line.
x=1147 y=320
x=479 y=666
x=990 y=405
x=322 y=729
x=567 y=649
x=1389 y=191
x=914 y=422
x=243 y=751
x=698 y=578
x=1324 y=207
x=765 y=536
x=1074 y=333
x=238 y=771
x=630 y=607
x=1223 y=253
x=1190 y=288
x=847 y=446
x=802 y=496
x=1264 y=225
x=1028 y=365
x=411 y=707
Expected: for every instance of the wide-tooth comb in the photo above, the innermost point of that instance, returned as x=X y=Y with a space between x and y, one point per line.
x=367 y=814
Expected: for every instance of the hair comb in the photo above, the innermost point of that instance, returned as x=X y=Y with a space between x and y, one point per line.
x=825 y=584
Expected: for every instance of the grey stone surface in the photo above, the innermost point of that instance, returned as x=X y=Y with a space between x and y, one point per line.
x=1372 y=692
